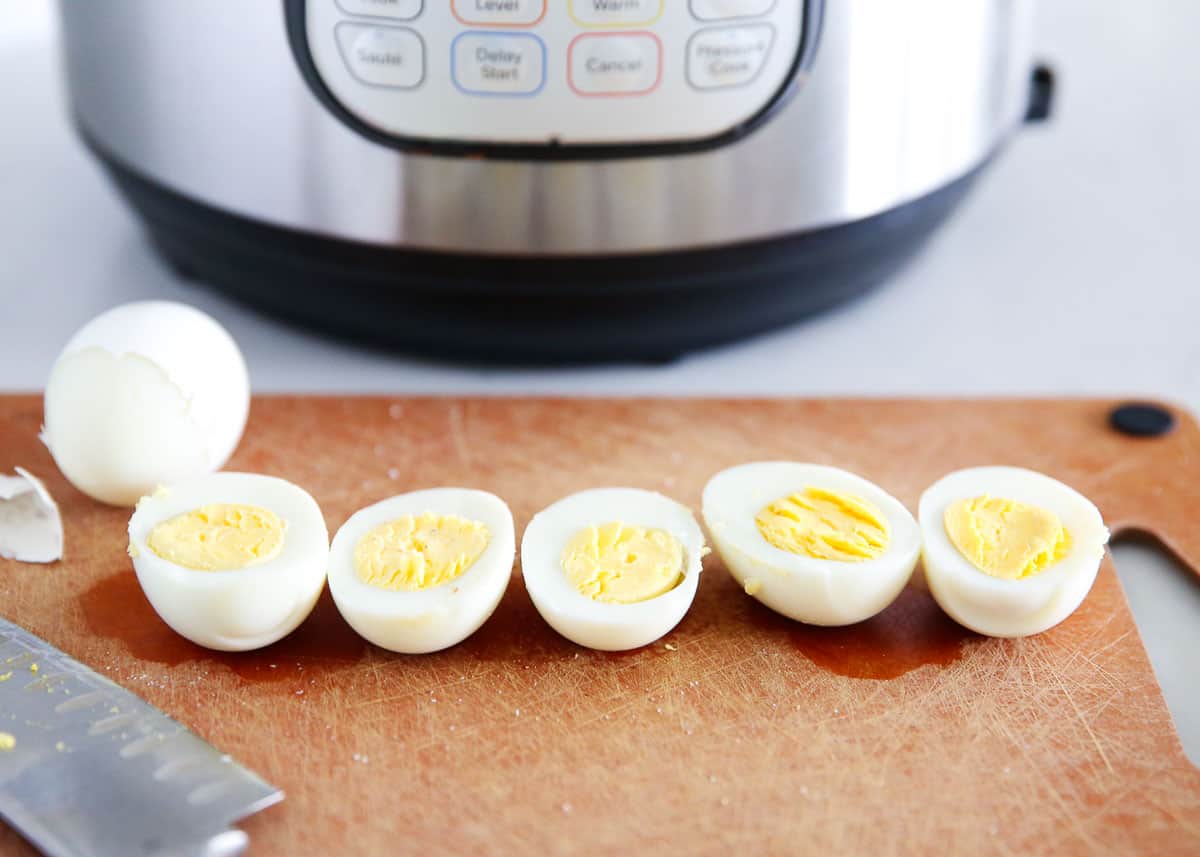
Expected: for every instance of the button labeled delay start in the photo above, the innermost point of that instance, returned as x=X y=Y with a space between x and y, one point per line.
x=499 y=63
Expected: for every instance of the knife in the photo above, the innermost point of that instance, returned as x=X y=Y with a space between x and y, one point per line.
x=87 y=769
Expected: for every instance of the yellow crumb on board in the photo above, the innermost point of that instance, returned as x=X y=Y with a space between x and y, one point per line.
x=6 y=676
x=33 y=668
x=7 y=741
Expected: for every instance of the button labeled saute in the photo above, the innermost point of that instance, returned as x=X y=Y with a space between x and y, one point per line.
x=1009 y=552
x=232 y=561
x=814 y=543
x=422 y=571
x=613 y=568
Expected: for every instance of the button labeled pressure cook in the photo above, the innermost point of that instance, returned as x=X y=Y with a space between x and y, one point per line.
x=401 y=10
x=383 y=56
x=728 y=56
x=616 y=13
x=615 y=64
x=504 y=13
x=498 y=63
x=720 y=10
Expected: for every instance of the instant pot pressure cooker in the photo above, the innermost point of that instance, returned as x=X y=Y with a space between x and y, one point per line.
x=546 y=179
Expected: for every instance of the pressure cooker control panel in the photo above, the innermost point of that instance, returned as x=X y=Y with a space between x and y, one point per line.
x=600 y=72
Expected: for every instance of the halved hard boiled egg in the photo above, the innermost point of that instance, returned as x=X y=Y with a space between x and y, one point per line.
x=815 y=543
x=613 y=568
x=232 y=561
x=422 y=571
x=1009 y=552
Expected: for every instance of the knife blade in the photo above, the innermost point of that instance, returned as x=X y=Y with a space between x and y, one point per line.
x=88 y=769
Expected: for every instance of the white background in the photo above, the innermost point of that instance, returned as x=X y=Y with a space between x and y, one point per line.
x=1074 y=268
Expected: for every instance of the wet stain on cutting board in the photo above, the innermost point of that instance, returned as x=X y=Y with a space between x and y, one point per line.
x=116 y=609
x=913 y=632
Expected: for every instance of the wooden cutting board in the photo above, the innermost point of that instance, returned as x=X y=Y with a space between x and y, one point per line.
x=740 y=732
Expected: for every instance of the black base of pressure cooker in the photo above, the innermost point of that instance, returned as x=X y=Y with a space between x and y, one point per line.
x=650 y=307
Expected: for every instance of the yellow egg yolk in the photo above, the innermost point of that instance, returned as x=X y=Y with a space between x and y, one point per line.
x=219 y=537
x=618 y=563
x=419 y=552
x=1005 y=538
x=825 y=524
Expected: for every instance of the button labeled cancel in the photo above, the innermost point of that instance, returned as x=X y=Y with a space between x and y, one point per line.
x=498 y=63
x=383 y=56
x=504 y=13
x=616 y=13
x=615 y=63
x=728 y=56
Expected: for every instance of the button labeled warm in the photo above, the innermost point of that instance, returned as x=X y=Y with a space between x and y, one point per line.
x=728 y=56
x=720 y=10
x=504 y=13
x=616 y=13
x=383 y=56
x=498 y=63
x=612 y=64
x=401 y=10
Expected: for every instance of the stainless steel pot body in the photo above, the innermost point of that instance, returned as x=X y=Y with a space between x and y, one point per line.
x=207 y=99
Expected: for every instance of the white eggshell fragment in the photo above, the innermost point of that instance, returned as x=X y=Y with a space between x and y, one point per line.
x=807 y=589
x=1010 y=608
x=241 y=609
x=31 y=528
x=428 y=620
x=595 y=624
x=145 y=394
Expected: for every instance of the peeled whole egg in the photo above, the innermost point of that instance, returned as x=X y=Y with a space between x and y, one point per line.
x=145 y=394
x=817 y=544
x=231 y=561
x=613 y=568
x=422 y=571
x=1009 y=552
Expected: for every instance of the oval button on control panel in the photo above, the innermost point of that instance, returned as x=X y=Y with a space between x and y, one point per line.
x=720 y=57
x=383 y=56
x=499 y=63
x=401 y=10
x=616 y=13
x=615 y=64
x=503 y=13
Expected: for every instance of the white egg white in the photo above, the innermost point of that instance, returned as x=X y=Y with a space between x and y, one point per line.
x=1010 y=608
x=595 y=624
x=433 y=619
x=815 y=591
x=145 y=394
x=241 y=609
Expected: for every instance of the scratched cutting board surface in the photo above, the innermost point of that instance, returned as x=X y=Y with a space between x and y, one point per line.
x=749 y=732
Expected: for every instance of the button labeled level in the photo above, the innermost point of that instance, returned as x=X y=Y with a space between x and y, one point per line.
x=498 y=63
x=615 y=64
x=401 y=10
x=383 y=56
x=616 y=13
x=503 y=13
x=722 y=10
x=728 y=56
